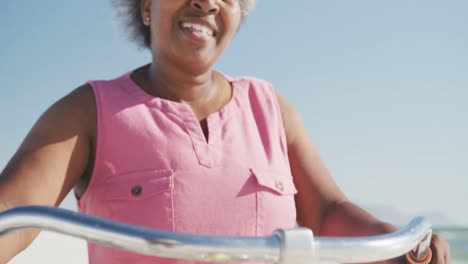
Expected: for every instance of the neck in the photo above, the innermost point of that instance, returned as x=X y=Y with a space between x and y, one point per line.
x=174 y=83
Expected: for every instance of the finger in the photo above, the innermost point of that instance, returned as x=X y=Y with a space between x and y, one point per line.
x=447 y=255
x=439 y=248
x=437 y=257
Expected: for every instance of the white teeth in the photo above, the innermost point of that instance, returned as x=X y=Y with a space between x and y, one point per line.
x=198 y=27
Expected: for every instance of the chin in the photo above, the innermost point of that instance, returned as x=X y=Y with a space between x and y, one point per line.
x=200 y=69
x=197 y=65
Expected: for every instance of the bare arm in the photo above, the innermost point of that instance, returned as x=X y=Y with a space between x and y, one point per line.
x=49 y=162
x=320 y=203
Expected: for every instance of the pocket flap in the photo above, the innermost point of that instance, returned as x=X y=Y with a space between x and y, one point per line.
x=279 y=182
x=139 y=185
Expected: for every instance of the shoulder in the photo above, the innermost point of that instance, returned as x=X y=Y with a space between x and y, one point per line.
x=81 y=96
x=76 y=111
x=292 y=120
x=80 y=101
x=259 y=91
x=252 y=82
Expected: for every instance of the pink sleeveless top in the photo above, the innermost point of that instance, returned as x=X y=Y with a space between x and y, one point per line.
x=154 y=167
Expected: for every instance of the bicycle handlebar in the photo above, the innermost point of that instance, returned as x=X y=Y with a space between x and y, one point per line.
x=283 y=246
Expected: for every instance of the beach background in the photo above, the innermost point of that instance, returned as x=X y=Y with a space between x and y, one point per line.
x=382 y=87
x=458 y=240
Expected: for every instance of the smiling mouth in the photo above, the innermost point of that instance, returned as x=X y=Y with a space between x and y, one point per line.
x=197 y=31
x=198 y=28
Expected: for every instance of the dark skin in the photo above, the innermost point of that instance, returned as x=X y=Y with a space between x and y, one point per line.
x=58 y=153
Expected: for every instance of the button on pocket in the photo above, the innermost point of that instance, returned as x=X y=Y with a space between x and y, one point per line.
x=139 y=185
x=136 y=190
x=141 y=198
x=275 y=200
x=276 y=181
x=279 y=186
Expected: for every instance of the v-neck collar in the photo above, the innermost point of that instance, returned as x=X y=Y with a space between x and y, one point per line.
x=215 y=120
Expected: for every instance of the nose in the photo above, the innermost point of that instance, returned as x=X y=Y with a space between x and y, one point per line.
x=205 y=6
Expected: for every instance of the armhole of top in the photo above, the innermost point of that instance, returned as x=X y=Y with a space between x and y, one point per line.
x=282 y=130
x=98 y=142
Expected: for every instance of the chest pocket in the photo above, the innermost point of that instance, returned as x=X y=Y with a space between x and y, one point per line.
x=142 y=198
x=275 y=200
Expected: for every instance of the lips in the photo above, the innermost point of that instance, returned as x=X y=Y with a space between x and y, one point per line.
x=198 y=30
x=202 y=29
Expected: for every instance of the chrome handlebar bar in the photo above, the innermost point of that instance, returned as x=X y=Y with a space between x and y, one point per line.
x=283 y=246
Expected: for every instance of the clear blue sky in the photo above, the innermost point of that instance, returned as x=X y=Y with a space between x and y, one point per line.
x=381 y=85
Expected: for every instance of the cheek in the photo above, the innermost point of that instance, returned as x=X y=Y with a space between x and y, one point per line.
x=232 y=20
x=230 y=9
x=161 y=27
x=236 y=14
x=163 y=12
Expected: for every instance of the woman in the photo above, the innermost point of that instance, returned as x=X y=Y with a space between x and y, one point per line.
x=178 y=146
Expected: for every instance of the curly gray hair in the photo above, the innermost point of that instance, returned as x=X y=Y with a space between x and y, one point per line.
x=129 y=15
